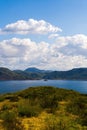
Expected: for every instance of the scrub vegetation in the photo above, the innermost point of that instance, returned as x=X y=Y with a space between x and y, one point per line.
x=43 y=108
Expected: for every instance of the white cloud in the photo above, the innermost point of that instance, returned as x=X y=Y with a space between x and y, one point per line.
x=79 y=40
x=66 y=53
x=30 y=27
x=53 y=35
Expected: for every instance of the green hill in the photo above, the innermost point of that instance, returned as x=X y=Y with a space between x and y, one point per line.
x=43 y=108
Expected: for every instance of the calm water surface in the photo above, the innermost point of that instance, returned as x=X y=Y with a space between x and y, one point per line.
x=13 y=86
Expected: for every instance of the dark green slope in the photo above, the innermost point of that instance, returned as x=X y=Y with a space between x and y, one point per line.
x=74 y=74
x=34 y=73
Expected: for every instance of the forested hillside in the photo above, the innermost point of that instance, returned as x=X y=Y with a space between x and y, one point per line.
x=34 y=73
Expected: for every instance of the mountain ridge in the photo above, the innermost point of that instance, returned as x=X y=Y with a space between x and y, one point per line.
x=33 y=69
x=35 y=73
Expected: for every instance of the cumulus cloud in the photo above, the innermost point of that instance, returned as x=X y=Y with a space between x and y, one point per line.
x=66 y=53
x=78 y=39
x=30 y=27
x=72 y=45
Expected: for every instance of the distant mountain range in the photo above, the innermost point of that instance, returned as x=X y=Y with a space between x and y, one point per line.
x=33 y=69
x=35 y=73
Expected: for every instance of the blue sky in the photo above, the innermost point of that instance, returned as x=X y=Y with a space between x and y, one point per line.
x=68 y=14
x=64 y=39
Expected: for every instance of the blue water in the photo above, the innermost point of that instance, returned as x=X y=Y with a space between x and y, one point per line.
x=13 y=86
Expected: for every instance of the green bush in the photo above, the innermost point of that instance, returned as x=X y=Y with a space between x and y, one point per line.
x=12 y=97
x=52 y=122
x=49 y=102
x=4 y=107
x=76 y=106
x=10 y=121
x=26 y=109
x=2 y=98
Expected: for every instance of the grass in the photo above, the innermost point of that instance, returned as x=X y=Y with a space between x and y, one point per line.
x=43 y=108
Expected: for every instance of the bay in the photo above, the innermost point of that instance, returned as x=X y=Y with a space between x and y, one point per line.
x=14 y=86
